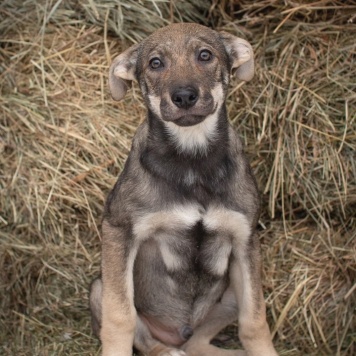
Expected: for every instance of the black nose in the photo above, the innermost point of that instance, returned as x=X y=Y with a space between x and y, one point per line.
x=185 y=98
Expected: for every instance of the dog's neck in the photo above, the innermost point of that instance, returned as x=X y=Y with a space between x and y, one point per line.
x=188 y=163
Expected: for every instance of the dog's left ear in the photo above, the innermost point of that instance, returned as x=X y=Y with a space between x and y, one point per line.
x=122 y=71
x=241 y=55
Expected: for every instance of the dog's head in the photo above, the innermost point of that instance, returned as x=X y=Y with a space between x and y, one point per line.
x=183 y=71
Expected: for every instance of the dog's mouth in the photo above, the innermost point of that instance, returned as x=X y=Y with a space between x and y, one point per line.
x=189 y=120
x=192 y=117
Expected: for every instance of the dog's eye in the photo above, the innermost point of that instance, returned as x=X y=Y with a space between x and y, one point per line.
x=205 y=55
x=156 y=63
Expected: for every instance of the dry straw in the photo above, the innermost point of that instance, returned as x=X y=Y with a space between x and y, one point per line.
x=63 y=142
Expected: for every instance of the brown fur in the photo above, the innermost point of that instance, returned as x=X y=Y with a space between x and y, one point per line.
x=180 y=258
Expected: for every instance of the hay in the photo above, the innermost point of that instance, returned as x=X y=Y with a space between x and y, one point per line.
x=63 y=142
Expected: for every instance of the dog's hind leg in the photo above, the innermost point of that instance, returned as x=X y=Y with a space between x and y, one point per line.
x=95 y=305
x=143 y=340
x=222 y=314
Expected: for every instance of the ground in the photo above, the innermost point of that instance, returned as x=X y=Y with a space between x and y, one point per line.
x=63 y=142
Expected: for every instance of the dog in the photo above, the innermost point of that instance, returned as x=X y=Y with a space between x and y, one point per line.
x=180 y=256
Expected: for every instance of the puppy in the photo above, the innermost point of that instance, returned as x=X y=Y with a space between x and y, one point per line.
x=180 y=257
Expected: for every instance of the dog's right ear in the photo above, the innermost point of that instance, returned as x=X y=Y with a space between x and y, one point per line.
x=122 y=71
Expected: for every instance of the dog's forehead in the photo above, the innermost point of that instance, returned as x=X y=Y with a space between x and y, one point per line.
x=181 y=36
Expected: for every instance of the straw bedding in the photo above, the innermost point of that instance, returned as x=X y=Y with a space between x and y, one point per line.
x=63 y=142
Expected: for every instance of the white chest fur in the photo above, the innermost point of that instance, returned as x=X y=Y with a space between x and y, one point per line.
x=224 y=230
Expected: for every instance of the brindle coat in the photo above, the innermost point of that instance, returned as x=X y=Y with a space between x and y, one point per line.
x=180 y=257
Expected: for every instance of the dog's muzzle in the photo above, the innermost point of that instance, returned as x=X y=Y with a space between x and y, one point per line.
x=186 y=106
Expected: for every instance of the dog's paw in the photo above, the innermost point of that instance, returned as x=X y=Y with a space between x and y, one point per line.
x=172 y=352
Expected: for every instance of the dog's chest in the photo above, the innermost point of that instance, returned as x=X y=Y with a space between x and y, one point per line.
x=189 y=237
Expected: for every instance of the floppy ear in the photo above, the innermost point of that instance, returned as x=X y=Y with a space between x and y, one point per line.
x=122 y=71
x=241 y=56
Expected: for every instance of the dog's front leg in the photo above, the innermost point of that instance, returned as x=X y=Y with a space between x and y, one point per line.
x=118 y=310
x=245 y=275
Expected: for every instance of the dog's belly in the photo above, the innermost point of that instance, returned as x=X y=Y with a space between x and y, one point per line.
x=174 y=300
x=181 y=269
x=169 y=334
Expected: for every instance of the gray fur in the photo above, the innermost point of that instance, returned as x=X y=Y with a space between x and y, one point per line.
x=178 y=227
